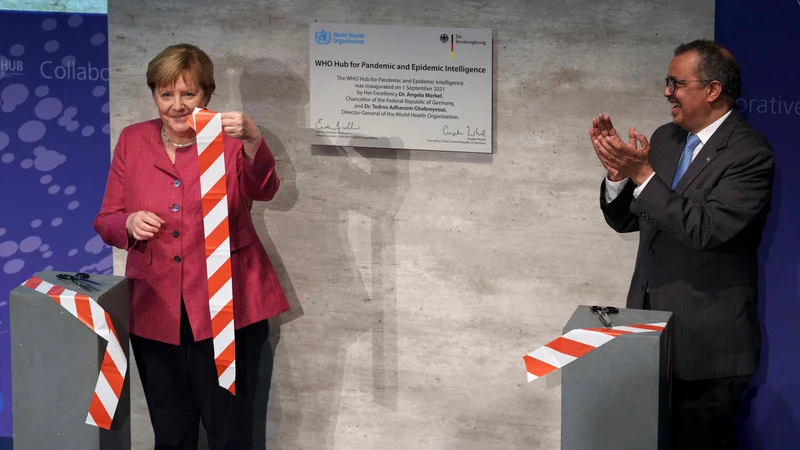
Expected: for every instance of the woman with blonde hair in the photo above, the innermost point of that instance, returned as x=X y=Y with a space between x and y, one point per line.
x=152 y=208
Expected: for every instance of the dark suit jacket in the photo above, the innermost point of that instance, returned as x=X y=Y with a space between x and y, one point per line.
x=697 y=244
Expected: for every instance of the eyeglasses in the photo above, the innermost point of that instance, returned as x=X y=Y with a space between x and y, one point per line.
x=673 y=83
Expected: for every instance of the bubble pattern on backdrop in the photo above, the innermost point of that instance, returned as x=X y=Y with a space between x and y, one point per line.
x=54 y=152
x=50 y=113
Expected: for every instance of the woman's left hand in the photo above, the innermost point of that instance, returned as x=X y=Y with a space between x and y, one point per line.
x=239 y=126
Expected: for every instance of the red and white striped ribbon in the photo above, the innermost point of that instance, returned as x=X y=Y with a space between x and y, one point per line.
x=211 y=157
x=576 y=343
x=114 y=365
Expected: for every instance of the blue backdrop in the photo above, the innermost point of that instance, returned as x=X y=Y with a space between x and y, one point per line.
x=763 y=37
x=54 y=154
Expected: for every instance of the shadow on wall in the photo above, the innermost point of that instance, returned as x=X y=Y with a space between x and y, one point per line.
x=777 y=424
x=273 y=94
x=355 y=293
x=376 y=181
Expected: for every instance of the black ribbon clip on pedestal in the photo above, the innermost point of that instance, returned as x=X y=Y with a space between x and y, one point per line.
x=603 y=313
x=79 y=278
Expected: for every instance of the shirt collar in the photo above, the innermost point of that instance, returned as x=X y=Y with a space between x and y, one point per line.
x=708 y=131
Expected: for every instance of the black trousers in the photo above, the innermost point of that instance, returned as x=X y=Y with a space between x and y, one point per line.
x=704 y=411
x=181 y=389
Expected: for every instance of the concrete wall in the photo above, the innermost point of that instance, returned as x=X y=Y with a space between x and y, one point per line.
x=419 y=279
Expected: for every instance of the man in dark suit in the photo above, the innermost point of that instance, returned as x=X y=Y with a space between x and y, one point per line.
x=698 y=194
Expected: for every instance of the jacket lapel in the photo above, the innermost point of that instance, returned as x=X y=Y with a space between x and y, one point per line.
x=709 y=151
x=673 y=154
x=162 y=161
x=163 y=164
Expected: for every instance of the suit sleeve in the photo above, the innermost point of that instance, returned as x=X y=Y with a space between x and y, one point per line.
x=738 y=198
x=258 y=180
x=618 y=213
x=110 y=221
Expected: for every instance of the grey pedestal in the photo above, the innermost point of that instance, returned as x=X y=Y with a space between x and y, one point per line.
x=617 y=396
x=55 y=362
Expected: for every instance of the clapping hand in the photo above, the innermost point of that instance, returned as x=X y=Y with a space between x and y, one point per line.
x=621 y=160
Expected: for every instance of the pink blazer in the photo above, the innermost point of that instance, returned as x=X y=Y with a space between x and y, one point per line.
x=171 y=265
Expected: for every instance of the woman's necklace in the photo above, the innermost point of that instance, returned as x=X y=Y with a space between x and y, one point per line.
x=164 y=133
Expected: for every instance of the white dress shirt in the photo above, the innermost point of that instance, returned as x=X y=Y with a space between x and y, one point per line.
x=613 y=188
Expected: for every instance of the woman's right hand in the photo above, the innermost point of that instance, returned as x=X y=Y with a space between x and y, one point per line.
x=143 y=225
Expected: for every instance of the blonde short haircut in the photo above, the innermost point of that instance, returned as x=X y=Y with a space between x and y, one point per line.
x=184 y=60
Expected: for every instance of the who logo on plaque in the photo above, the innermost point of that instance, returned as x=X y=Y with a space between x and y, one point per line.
x=323 y=37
